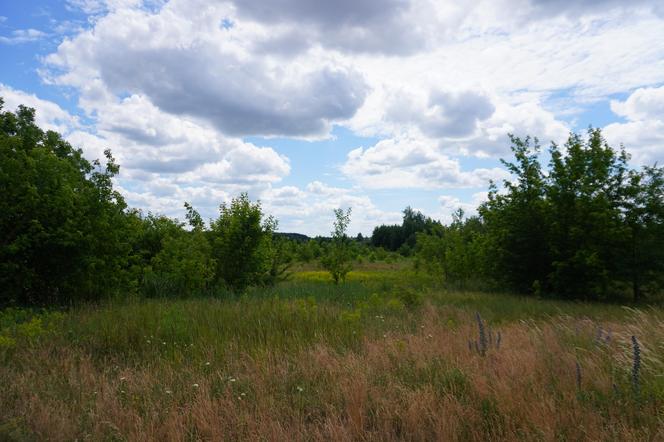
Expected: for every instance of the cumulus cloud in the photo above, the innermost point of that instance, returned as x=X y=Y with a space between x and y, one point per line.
x=469 y=122
x=643 y=132
x=382 y=26
x=49 y=115
x=412 y=163
x=172 y=86
x=309 y=210
x=187 y=63
x=644 y=103
x=449 y=204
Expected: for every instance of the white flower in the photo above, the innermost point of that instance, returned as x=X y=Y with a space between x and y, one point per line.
x=195 y=385
x=168 y=392
x=300 y=389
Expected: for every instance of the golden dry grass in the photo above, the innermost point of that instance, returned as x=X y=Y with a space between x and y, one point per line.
x=418 y=384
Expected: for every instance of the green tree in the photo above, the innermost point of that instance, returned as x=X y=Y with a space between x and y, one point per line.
x=64 y=229
x=453 y=254
x=183 y=267
x=585 y=189
x=642 y=264
x=339 y=257
x=516 y=222
x=241 y=241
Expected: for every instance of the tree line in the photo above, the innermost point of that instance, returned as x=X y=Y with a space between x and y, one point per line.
x=587 y=227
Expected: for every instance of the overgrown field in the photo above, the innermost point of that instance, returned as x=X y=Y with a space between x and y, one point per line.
x=378 y=358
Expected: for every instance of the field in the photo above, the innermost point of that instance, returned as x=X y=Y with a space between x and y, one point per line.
x=385 y=356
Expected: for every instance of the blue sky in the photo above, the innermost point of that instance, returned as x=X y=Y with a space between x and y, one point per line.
x=312 y=105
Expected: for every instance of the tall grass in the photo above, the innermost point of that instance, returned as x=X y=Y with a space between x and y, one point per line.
x=310 y=361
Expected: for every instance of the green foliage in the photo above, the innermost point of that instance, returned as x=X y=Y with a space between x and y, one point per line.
x=588 y=228
x=63 y=226
x=402 y=237
x=338 y=259
x=241 y=241
x=453 y=254
x=516 y=243
x=183 y=266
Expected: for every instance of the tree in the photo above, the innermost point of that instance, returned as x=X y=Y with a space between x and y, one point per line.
x=585 y=190
x=339 y=257
x=64 y=229
x=643 y=263
x=241 y=243
x=453 y=254
x=516 y=220
x=587 y=228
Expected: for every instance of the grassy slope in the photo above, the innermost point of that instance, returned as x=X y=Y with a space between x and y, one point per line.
x=379 y=358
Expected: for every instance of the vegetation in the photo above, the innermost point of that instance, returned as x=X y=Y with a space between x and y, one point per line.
x=402 y=237
x=63 y=226
x=116 y=325
x=587 y=228
x=351 y=361
x=338 y=257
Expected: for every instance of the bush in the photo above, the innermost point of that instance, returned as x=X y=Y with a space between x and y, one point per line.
x=241 y=241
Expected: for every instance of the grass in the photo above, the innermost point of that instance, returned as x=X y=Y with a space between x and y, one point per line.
x=381 y=357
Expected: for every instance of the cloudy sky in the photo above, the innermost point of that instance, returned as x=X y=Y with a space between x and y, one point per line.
x=310 y=105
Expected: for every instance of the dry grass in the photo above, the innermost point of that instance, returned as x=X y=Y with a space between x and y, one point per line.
x=395 y=384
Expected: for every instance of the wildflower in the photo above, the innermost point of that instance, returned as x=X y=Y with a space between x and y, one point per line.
x=636 y=365
x=122 y=379
x=430 y=336
x=195 y=385
x=168 y=392
x=482 y=334
x=163 y=343
x=300 y=389
x=243 y=394
x=232 y=379
x=207 y=364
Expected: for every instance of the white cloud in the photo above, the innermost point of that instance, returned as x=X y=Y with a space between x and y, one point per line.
x=186 y=63
x=23 y=36
x=172 y=86
x=49 y=115
x=310 y=210
x=450 y=204
x=644 y=103
x=410 y=162
x=643 y=132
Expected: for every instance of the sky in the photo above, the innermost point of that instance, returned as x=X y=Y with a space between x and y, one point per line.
x=310 y=105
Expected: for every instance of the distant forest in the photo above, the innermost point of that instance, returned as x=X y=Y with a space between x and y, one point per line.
x=584 y=226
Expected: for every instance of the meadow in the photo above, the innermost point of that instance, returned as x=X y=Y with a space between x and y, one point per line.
x=385 y=356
